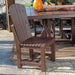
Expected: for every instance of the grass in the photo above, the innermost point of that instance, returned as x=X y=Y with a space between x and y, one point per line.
x=28 y=4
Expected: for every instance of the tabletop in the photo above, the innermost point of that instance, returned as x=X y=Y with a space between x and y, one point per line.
x=33 y=14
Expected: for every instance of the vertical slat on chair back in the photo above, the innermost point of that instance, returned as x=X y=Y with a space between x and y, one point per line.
x=20 y=21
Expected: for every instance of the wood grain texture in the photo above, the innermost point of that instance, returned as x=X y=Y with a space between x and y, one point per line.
x=33 y=14
x=8 y=4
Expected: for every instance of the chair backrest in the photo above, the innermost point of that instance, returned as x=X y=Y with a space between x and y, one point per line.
x=20 y=21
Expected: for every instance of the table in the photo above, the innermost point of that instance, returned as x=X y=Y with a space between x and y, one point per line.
x=32 y=14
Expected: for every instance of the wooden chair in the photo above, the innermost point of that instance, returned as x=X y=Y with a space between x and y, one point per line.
x=61 y=25
x=23 y=38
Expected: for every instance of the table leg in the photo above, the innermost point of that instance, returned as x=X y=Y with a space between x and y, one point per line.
x=73 y=30
x=49 y=24
x=46 y=28
x=43 y=33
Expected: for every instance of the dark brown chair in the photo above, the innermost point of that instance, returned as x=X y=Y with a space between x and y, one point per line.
x=23 y=38
x=61 y=25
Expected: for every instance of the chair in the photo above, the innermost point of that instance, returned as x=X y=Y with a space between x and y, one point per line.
x=23 y=39
x=61 y=26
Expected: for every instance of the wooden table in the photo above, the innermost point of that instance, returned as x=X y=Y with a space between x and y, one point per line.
x=32 y=14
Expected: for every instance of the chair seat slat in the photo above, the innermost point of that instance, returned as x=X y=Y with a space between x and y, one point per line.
x=39 y=42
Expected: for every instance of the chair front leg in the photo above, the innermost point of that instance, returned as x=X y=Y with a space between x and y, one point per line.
x=43 y=66
x=18 y=56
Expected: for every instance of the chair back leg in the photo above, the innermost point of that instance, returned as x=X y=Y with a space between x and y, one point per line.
x=31 y=54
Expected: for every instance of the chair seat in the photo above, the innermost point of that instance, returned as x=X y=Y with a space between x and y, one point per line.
x=36 y=42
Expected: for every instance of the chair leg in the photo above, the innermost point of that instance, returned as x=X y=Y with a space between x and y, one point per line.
x=43 y=66
x=34 y=25
x=19 y=56
x=31 y=54
x=59 y=26
x=53 y=27
x=62 y=29
x=53 y=52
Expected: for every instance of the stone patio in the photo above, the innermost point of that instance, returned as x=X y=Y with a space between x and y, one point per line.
x=62 y=65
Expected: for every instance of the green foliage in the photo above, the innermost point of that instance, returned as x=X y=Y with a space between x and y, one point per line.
x=53 y=1
x=65 y=1
x=28 y=4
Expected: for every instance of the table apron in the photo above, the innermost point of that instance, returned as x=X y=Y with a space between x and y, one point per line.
x=51 y=16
